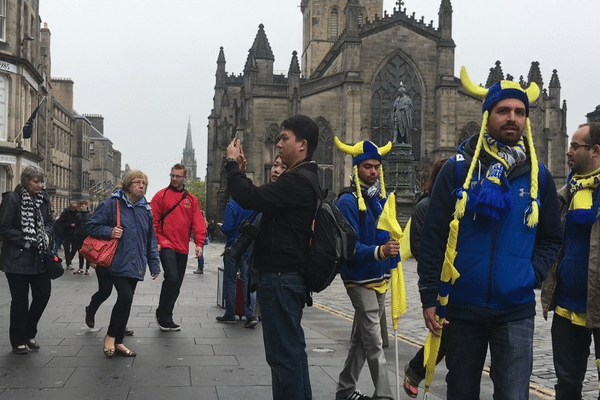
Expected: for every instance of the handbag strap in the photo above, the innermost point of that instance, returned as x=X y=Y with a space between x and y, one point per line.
x=118 y=213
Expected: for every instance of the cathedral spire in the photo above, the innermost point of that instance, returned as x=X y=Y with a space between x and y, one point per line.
x=189 y=154
x=261 y=46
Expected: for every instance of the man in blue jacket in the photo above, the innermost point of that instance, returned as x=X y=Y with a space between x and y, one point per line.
x=502 y=207
x=366 y=275
x=571 y=289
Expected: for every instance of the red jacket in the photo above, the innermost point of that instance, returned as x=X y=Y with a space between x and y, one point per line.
x=174 y=232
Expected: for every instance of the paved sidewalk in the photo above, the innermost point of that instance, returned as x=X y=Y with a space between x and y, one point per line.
x=205 y=360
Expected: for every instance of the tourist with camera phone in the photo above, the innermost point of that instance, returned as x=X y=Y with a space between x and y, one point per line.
x=288 y=207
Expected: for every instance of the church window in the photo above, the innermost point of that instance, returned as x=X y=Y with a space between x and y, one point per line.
x=334 y=23
x=469 y=130
x=271 y=139
x=324 y=154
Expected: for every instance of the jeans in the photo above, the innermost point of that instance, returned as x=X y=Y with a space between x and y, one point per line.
x=282 y=297
x=120 y=313
x=511 y=350
x=174 y=265
x=570 y=351
x=23 y=317
x=366 y=344
x=230 y=286
x=105 y=286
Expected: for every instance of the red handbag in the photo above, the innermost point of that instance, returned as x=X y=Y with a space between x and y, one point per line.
x=101 y=251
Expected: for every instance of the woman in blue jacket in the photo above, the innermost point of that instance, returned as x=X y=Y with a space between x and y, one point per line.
x=137 y=247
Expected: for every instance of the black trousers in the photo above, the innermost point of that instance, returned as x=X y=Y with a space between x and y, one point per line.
x=174 y=265
x=23 y=317
x=120 y=313
x=570 y=351
x=70 y=246
x=105 y=285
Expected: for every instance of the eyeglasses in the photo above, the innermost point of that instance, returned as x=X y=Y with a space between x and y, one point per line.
x=177 y=176
x=138 y=182
x=575 y=146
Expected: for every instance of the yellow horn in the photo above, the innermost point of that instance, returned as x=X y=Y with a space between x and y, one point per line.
x=470 y=86
x=385 y=149
x=352 y=150
x=533 y=92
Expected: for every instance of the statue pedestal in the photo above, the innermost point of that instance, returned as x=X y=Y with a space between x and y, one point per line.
x=400 y=178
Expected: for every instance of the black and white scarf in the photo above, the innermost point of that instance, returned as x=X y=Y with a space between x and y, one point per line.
x=32 y=221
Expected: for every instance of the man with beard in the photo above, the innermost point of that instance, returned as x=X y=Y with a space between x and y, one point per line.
x=571 y=289
x=484 y=219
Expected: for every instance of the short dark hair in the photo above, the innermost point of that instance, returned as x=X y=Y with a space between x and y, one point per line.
x=305 y=129
x=594 y=131
x=180 y=166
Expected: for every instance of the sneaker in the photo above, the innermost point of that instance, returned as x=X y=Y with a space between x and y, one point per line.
x=171 y=326
x=128 y=332
x=174 y=327
x=356 y=395
x=199 y=271
x=69 y=267
x=226 y=320
x=251 y=323
x=89 y=318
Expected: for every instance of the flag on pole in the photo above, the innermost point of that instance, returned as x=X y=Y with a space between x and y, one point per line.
x=28 y=127
x=388 y=222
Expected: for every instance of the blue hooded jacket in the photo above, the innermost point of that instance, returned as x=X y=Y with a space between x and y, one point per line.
x=138 y=246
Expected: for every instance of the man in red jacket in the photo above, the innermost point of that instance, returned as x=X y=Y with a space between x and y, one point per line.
x=176 y=213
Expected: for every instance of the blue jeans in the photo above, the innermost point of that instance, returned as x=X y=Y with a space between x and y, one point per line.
x=229 y=286
x=174 y=265
x=511 y=350
x=282 y=297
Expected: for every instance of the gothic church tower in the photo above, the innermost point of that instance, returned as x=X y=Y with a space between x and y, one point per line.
x=189 y=155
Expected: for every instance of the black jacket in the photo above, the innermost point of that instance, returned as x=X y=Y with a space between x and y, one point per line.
x=15 y=257
x=288 y=208
x=66 y=220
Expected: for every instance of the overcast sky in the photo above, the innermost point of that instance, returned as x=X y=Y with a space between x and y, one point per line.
x=149 y=65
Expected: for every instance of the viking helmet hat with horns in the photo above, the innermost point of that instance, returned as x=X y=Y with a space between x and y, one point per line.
x=360 y=152
x=499 y=91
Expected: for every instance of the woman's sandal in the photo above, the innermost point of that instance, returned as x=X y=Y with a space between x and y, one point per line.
x=121 y=350
x=109 y=352
x=410 y=388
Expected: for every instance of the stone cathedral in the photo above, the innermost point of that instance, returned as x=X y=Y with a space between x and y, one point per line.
x=358 y=70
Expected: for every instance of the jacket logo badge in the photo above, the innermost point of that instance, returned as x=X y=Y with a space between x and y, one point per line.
x=523 y=193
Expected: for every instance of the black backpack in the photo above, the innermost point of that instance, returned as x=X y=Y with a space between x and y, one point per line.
x=332 y=243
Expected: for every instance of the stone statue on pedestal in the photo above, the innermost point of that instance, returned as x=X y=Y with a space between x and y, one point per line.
x=402 y=115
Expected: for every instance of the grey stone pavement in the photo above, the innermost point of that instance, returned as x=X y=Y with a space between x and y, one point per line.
x=206 y=360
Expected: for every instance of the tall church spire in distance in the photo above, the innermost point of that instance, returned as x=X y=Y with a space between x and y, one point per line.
x=189 y=154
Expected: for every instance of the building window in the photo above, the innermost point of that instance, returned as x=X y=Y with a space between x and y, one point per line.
x=3 y=20
x=91 y=146
x=334 y=23
x=4 y=86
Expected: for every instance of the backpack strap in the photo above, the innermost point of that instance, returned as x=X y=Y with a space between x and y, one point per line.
x=315 y=185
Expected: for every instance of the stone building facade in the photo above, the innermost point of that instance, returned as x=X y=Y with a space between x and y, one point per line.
x=23 y=86
x=354 y=59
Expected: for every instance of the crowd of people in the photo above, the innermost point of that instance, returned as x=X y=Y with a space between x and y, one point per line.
x=491 y=227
